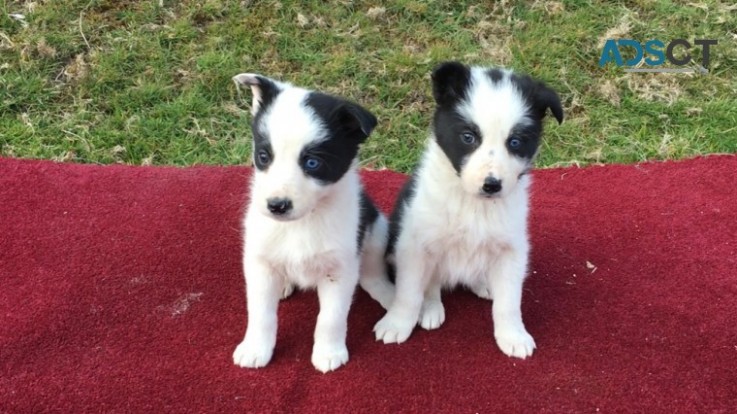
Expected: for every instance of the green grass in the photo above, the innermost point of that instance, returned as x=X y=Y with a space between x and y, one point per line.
x=149 y=82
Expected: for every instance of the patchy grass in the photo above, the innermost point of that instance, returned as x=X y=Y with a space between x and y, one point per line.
x=149 y=82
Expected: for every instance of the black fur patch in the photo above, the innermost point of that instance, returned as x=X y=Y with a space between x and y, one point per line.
x=538 y=96
x=261 y=142
x=395 y=220
x=495 y=75
x=347 y=125
x=269 y=92
x=449 y=128
x=368 y=215
x=449 y=83
x=529 y=136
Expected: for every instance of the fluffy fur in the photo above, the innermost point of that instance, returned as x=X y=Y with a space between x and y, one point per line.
x=308 y=222
x=462 y=217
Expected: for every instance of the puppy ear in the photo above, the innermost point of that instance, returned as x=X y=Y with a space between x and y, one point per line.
x=449 y=82
x=264 y=89
x=356 y=120
x=547 y=98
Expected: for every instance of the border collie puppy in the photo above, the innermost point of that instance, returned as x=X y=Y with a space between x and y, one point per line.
x=462 y=216
x=309 y=223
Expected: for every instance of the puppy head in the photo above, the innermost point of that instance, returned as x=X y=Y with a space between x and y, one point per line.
x=304 y=142
x=488 y=123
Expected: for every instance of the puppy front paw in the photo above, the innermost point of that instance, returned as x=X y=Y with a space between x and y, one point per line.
x=329 y=358
x=393 y=329
x=515 y=342
x=432 y=314
x=251 y=354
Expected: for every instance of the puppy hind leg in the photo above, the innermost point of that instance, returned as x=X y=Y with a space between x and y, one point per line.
x=288 y=289
x=482 y=289
x=432 y=314
x=413 y=274
x=374 y=279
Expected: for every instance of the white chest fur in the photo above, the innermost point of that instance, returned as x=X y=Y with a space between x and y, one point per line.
x=462 y=234
x=311 y=248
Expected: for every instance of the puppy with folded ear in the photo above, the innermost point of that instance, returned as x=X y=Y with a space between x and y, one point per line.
x=309 y=223
x=462 y=217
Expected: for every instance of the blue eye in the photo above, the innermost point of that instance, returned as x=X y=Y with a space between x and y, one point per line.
x=311 y=163
x=263 y=157
x=514 y=143
x=468 y=138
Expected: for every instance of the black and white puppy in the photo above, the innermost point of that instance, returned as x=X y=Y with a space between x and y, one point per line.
x=462 y=217
x=308 y=223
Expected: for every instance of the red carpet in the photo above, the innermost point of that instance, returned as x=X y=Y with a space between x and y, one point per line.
x=121 y=291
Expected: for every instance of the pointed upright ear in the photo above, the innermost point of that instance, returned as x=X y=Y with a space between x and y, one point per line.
x=264 y=89
x=355 y=120
x=449 y=82
x=547 y=98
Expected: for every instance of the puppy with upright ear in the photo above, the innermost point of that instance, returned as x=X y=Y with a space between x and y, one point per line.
x=309 y=223
x=473 y=175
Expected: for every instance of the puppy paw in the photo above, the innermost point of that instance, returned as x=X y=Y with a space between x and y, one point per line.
x=515 y=342
x=287 y=291
x=432 y=314
x=482 y=290
x=392 y=329
x=250 y=354
x=329 y=358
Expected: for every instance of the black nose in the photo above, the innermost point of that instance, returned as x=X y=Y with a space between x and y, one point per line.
x=492 y=185
x=279 y=206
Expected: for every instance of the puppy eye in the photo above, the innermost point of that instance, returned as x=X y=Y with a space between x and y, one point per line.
x=263 y=157
x=311 y=163
x=468 y=138
x=514 y=143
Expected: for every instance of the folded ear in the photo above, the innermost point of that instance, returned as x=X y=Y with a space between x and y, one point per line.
x=547 y=98
x=355 y=120
x=264 y=89
x=449 y=82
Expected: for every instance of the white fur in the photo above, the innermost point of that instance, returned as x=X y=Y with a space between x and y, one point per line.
x=313 y=247
x=450 y=235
